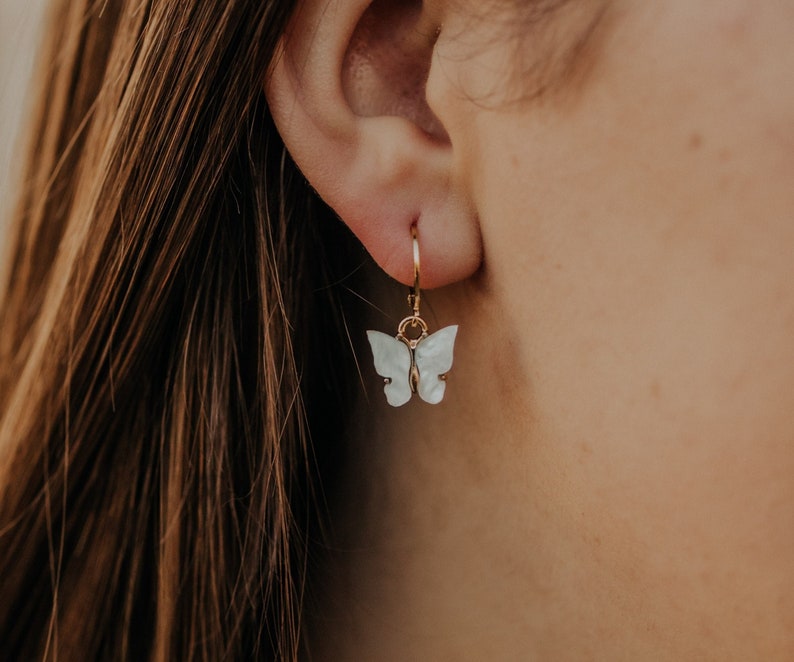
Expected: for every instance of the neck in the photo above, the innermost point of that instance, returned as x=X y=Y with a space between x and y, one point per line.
x=431 y=556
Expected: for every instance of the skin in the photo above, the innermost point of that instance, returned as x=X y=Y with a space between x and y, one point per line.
x=610 y=476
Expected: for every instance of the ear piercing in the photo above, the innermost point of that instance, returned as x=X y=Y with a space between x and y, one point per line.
x=413 y=361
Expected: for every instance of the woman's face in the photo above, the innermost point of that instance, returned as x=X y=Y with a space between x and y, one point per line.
x=638 y=229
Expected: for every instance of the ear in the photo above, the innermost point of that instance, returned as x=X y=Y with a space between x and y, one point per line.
x=347 y=90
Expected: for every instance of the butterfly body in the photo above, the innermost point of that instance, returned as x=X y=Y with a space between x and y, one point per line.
x=413 y=365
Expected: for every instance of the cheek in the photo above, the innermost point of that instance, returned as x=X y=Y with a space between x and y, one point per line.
x=641 y=242
x=645 y=227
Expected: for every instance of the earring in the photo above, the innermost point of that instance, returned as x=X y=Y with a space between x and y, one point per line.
x=413 y=361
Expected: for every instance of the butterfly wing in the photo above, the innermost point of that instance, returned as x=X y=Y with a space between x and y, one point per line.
x=433 y=357
x=392 y=361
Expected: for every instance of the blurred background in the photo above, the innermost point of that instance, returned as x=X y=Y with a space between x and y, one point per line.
x=20 y=27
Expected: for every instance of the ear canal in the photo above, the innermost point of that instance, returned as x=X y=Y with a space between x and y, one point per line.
x=387 y=62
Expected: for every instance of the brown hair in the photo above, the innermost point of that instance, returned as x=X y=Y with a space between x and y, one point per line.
x=159 y=424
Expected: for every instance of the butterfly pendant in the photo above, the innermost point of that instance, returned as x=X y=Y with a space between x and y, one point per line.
x=413 y=365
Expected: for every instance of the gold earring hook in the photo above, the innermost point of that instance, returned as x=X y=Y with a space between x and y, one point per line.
x=415 y=296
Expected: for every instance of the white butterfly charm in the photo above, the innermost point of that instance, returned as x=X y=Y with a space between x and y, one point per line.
x=413 y=365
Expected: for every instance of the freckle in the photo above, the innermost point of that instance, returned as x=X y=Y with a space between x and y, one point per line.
x=695 y=141
x=725 y=155
x=514 y=160
x=656 y=390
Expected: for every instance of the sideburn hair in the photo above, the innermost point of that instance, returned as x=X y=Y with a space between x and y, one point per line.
x=169 y=362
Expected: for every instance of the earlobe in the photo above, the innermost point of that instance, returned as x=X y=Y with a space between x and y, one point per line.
x=347 y=91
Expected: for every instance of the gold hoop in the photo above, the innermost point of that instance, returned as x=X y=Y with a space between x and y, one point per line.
x=415 y=296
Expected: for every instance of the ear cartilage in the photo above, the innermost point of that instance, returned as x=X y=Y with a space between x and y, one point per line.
x=414 y=361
